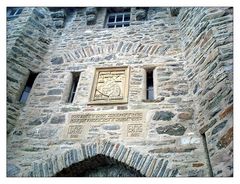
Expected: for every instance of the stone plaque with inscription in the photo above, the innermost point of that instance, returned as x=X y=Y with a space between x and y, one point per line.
x=132 y=123
x=110 y=85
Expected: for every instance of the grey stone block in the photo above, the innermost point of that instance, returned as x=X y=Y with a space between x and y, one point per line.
x=58 y=119
x=91 y=19
x=196 y=173
x=39 y=121
x=141 y=14
x=163 y=115
x=176 y=129
x=160 y=174
x=219 y=127
x=38 y=13
x=91 y=10
x=111 y=127
x=58 y=14
x=57 y=60
x=59 y=23
x=12 y=170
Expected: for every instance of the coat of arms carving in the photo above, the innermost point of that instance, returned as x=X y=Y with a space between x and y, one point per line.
x=110 y=85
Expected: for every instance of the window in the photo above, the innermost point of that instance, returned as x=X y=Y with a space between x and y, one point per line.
x=75 y=79
x=118 y=19
x=13 y=12
x=149 y=85
x=28 y=87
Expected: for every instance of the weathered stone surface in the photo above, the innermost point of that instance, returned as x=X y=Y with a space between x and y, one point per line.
x=192 y=59
x=226 y=112
x=39 y=13
x=163 y=115
x=34 y=149
x=59 y=23
x=91 y=10
x=198 y=164
x=12 y=170
x=110 y=57
x=176 y=129
x=111 y=127
x=173 y=149
x=219 y=127
x=17 y=132
x=196 y=173
x=226 y=139
x=179 y=92
x=55 y=92
x=206 y=127
x=42 y=133
x=185 y=115
x=51 y=98
x=196 y=88
x=157 y=167
x=57 y=60
x=174 y=173
x=212 y=114
x=58 y=14
x=215 y=102
x=58 y=119
x=175 y=100
x=91 y=19
x=163 y=169
x=39 y=121
x=141 y=14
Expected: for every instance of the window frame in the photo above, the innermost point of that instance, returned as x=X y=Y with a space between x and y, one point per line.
x=74 y=85
x=28 y=87
x=16 y=12
x=149 y=85
x=145 y=70
x=116 y=23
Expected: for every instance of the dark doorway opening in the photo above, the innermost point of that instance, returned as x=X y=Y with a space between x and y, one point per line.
x=99 y=166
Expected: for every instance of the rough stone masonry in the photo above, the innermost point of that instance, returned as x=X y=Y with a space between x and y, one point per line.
x=110 y=128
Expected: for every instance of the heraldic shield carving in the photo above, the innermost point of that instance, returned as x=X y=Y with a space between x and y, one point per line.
x=110 y=85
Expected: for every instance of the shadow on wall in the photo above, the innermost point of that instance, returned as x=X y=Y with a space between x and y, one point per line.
x=99 y=166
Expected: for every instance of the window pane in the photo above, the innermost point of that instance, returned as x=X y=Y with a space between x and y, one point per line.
x=150 y=93
x=12 y=12
x=149 y=85
x=126 y=17
x=75 y=80
x=111 y=26
x=27 y=89
x=24 y=96
x=19 y=10
x=111 y=19
x=119 y=18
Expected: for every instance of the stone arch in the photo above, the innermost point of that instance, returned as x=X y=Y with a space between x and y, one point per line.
x=145 y=164
x=99 y=165
x=124 y=47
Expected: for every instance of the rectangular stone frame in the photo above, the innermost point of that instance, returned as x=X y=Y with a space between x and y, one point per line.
x=126 y=69
x=132 y=122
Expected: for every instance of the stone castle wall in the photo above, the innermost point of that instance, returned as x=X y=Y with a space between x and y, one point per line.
x=167 y=140
x=28 y=38
x=208 y=45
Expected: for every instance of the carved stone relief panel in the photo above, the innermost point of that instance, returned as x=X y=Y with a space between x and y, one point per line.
x=110 y=85
x=129 y=124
